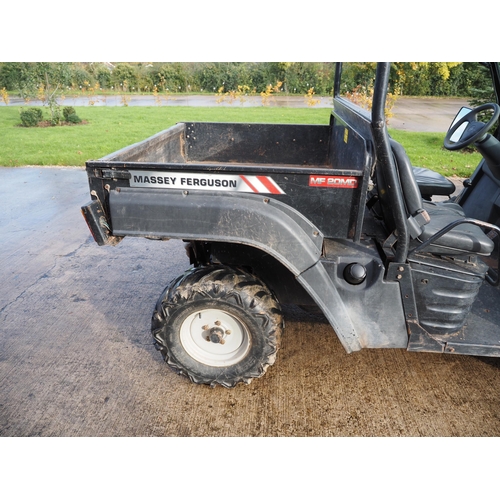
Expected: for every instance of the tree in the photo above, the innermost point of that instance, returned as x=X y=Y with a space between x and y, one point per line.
x=42 y=80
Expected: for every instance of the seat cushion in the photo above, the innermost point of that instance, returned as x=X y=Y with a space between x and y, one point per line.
x=431 y=183
x=463 y=239
x=434 y=208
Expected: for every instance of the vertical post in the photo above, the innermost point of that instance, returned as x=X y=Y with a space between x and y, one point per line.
x=336 y=83
x=385 y=161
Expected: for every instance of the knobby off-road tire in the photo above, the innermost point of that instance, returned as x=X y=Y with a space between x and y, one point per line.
x=218 y=325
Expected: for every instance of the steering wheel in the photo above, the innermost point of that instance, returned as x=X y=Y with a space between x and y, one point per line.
x=475 y=130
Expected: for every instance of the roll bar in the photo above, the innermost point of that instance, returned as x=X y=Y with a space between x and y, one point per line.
x=385 y=160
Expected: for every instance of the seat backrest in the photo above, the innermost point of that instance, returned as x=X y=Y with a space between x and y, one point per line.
x=411 y=195
x=411 y=192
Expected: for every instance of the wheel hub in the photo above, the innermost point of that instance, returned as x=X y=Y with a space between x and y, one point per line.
x=215 y=337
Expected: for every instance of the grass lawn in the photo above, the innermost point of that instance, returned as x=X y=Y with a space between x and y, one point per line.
x=111 y=128
x=425 y=149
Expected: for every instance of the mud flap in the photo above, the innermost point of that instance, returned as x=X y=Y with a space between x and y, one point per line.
x=95 y=218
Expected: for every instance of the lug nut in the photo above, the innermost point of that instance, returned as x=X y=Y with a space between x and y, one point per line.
x=228 y=332
x=217 y=323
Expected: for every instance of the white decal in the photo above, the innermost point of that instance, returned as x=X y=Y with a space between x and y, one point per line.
x=205 y=182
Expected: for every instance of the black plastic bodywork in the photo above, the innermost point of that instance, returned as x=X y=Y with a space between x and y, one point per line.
x=293 y=204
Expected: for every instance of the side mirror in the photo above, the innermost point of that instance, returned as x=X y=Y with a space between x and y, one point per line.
x=460 y=130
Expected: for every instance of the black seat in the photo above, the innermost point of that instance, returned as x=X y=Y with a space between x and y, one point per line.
x=431 y=183
x=465 y=238
x=443 y=207
x=425 y=219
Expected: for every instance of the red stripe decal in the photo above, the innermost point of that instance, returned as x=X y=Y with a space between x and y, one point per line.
x=247 y=182
x=269 y=185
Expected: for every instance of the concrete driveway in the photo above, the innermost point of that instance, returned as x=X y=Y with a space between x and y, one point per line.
x=420 y=114
x=76 y=354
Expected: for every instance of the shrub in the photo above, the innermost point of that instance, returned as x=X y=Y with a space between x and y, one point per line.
x=124 y=77
x=74 y=118
x=103 y=76
x=31 y=117
x=68 y=111
x=70 y=115
x=80 y=77
x=169 y=76
x=213 y=76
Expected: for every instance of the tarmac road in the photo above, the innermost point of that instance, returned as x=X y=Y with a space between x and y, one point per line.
x=77 y=359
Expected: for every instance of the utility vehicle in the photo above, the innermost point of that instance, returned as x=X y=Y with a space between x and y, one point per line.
x=328 y=216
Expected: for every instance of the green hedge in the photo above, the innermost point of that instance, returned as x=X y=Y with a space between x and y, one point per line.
x=417 y=79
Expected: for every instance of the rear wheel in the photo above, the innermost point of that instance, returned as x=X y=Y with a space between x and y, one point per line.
x=218 y=326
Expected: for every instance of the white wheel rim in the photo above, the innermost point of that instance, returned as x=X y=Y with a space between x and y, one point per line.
x=229 y=340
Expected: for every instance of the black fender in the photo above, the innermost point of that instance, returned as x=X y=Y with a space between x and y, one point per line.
x=249 y=219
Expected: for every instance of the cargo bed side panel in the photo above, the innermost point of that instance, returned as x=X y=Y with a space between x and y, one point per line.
x=256 y=143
